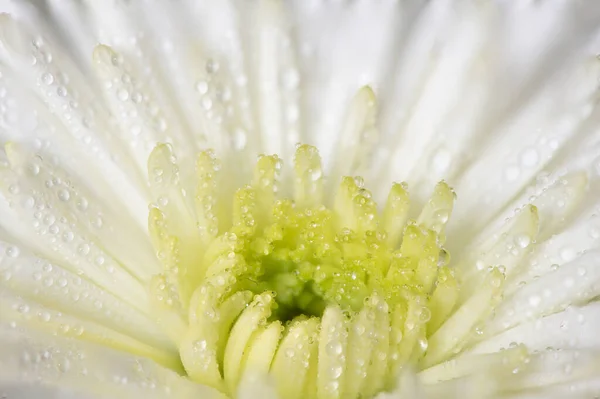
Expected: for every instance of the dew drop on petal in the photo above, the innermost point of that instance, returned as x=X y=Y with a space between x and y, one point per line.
x=530 y=157
x=47 y=78
x=522 y=240
x=64 y=195
x=123 y=94
x=13 y=252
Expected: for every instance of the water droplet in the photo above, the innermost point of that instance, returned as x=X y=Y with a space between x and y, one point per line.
x=441 y=159
x=117 y=60
x=334 y=348
x=315 y=174
x=13 y=252
x=212 y=66
x=239 y=139
x=530 y=157
x=335 y=372
x=98 y=222
x=424 y=315
x=14 y=189
x=29 y=202
x=61 y=91
x=567 y=254
x=202 y=87
x=83 y=249
x=64 y=194
x=82 y=204
x=522 y=240
x=123 y=94
x=207 y=102
x=49 y=219
x=47 y=78
x=64 y=365
x=359 y=328
x=535 y=300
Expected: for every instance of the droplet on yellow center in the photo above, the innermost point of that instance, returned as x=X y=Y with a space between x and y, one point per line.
x=332 y=301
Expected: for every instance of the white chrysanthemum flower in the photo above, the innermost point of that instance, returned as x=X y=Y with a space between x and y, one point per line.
x=149 y=250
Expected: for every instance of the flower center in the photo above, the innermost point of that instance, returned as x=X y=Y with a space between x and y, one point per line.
x=330 y=301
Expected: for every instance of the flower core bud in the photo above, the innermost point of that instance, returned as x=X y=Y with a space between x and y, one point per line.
x=332 y=300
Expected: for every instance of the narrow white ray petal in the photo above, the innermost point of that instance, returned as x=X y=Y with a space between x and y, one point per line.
x=560 y=201
x=576 y=282
x=452 y=336
x=69 y=122
x=308 y=184
x=504 y=248
x=35 y=390
x=494 y=366
x=574 y=328
x=332 y=350
x=408 y=386
x=78 y=252
x=73 y=18
x=177 y=235
x=515 y=160
x=224 y=32
x=257 y=386
x=576 y=234
x=21 y=313
x=556 y=201
x=65 y=291
x=431 y=76
x=581 y=389
x=334 y=71
x=470 y=387
x=357 y=137
x=132 y=103
x=273 y=76
x=212 y=107
x=120 y=26
x=553 y=367
x=242 y=334
x=206 y=95
x=29 y=357
x=359 y=354
x=297 y=349
x=79 y=210
x=558 y=250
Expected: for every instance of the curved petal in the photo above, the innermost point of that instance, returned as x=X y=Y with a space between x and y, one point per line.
x=574 y=328
x=34 y=357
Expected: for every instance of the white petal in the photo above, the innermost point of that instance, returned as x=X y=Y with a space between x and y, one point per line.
x=35 y=391
x=64 y=232
x=29 y=357
x=55 y=111
x=576 y=282
x=574 y=328
x=332 y=71
x=554 y=367
x=31 y=281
